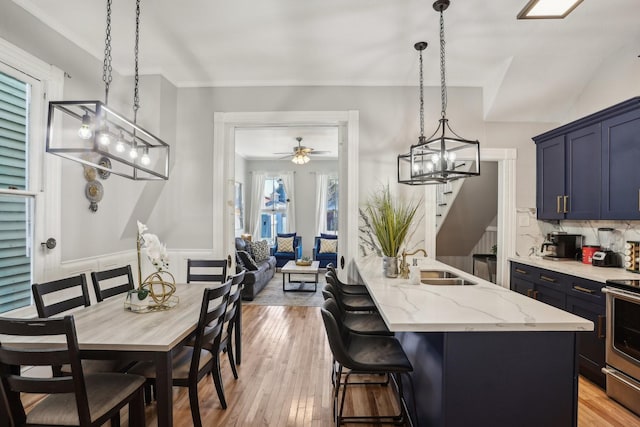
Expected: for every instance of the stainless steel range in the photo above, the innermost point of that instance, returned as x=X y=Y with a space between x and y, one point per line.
x=623 y=342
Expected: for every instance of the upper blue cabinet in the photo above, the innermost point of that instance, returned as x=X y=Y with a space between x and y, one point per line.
x=589 y=169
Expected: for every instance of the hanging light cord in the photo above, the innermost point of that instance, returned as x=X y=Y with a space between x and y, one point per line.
x=421 y=100
x=136 y=94
x=106 y=66
x=443 y=82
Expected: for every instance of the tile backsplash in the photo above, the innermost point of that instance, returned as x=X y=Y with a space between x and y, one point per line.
x=532 y=232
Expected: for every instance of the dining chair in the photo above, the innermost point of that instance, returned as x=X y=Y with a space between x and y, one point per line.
x=193 y=363
x=50 y=301
x=77 y=399
x=112 y=282
x=58 y=296
x=206 y=270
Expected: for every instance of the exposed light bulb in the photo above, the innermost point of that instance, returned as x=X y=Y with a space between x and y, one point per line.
x=120 y=145
x=133 y=153
x=429 y=166
x=145 y=159
x=104 y=138
x=85 y=131
x=452 y=157
x=435 y=158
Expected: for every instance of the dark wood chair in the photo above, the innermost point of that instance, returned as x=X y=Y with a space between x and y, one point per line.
x=193 y=363
x=58 y=296
x=206 y=270
x=50 y=301
x=112 y=282
x=233 y=323
x=76 y=399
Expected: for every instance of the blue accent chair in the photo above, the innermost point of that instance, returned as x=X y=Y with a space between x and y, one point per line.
x=283 y=257
x=324 y=258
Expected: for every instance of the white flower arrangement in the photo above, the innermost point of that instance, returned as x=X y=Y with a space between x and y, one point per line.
x=155 y=250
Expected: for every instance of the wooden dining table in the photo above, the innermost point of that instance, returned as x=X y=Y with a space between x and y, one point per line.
x=107 y=331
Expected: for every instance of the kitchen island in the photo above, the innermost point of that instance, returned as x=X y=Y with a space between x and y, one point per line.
x=482 y=354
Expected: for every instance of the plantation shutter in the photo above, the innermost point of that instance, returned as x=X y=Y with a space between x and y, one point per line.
x=15 y=260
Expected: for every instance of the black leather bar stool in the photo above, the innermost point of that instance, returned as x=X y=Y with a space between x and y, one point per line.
x=331 y=276
x=369 y=323
x=351 y=302
x=365 y=354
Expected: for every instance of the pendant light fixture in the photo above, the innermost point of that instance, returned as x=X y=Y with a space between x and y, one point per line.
x=444 y=156
x=92 y=133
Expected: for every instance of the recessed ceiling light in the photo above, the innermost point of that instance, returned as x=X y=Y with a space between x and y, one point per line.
x=548 y=9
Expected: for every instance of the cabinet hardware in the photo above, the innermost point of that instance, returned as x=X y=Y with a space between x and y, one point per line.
x=614 y=374
x=558 y=204
x=535 y=295
x=518 y=270
x=529 y=292
x=565 y=204
x=547 y=279
x=601 y=325
x=585 y=290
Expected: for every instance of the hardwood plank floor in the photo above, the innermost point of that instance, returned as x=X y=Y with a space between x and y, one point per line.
x=284 y=380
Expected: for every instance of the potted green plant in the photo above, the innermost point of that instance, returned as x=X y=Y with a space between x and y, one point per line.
x=390 y=220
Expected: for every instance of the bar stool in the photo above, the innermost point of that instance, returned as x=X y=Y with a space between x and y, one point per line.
x=357 y=322
x=350 y=302
x=364 y=354
x=349 y=288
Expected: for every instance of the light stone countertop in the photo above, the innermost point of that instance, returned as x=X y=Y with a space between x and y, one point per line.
x=578 y=269
x=454 y=308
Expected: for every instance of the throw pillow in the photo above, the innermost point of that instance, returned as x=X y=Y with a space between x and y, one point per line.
x=284 y=244
x=328 y=246
x=328 y=236
x=260 y=250
x=248 y=262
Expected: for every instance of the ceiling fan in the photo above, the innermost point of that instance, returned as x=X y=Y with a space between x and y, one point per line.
x=301 y=153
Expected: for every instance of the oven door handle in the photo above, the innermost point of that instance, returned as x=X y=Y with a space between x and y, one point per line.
x=614 y=374
x=621 y=293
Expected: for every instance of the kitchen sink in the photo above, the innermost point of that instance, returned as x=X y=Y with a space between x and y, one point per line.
x=452 y=281
x=436 y=274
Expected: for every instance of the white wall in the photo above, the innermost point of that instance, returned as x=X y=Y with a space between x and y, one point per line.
x=242 y=176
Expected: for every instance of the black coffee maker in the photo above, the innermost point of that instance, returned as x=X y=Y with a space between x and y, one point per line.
x=561 y=246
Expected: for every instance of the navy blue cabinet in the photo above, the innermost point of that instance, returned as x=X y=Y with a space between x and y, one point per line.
x=588 y=169
x=576 y=295
x=550 y=159
x=620 y=171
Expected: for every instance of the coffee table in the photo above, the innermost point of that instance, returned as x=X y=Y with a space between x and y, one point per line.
x=292 y=268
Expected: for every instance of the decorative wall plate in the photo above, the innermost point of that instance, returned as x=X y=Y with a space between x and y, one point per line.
x=90 y=173
x=104 y=161
x=94 y=192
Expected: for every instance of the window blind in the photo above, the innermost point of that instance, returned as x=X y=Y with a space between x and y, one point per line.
x=15 y=259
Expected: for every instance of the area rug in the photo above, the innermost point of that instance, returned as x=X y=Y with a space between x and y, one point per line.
x=272 y=294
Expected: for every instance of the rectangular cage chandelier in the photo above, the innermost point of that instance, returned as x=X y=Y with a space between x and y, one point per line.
x=91 y=133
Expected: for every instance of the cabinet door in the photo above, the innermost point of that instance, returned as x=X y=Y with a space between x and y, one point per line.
x=620 y=171
x=550 y=163
x=591 y=344
x=550 y=294
x=583 y=173
x=522 y=286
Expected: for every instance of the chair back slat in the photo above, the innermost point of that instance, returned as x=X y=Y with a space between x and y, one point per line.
x=64 y=287
x=206 y=270
x=109 y=283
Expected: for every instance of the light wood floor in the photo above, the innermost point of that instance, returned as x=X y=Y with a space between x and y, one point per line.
x=284 y=380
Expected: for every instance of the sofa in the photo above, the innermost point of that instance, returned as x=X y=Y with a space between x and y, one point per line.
x=324 y=257
x=254 y=280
